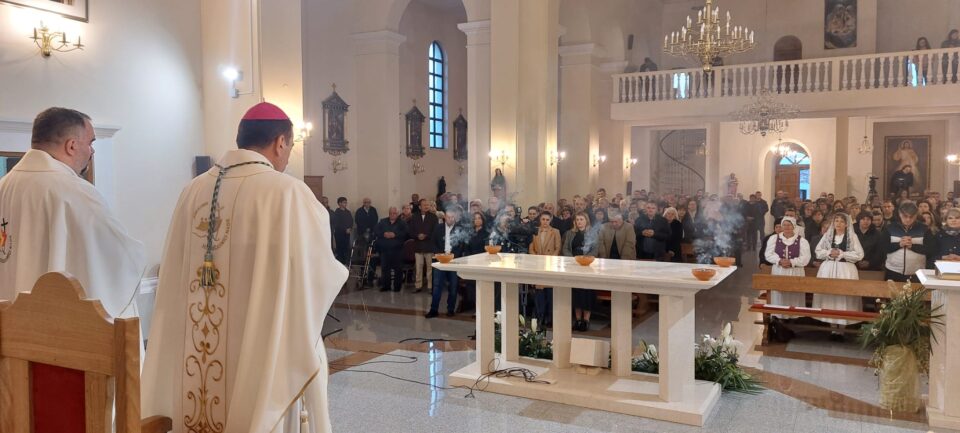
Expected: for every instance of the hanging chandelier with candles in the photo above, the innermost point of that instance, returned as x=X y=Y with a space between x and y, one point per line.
x=706 y=39
x=764 y=115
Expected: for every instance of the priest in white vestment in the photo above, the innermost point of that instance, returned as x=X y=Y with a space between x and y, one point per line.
x=244 y=289
x=53 y=220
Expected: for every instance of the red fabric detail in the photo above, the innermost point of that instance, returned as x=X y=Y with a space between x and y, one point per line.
x=58 y=399
x=265 y=111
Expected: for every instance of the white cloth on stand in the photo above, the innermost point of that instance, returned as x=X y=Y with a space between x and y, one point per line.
x=56 y=221
x=245 y=350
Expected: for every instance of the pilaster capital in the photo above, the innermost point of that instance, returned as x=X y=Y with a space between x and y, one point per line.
x=478 y=32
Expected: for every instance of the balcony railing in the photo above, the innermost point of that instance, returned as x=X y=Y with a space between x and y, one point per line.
x=837 y=74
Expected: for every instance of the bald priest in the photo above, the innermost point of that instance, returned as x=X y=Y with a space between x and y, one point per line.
x=235 y=344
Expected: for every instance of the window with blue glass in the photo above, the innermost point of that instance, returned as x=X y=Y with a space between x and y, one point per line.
x=435 y=96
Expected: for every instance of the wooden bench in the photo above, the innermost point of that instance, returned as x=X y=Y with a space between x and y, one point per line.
x=868 y=287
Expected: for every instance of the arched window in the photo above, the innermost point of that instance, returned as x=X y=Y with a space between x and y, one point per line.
x=435 y=95
x=787 y=48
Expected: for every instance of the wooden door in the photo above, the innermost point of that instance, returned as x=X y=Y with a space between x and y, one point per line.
x=316 y=185
x=788 y=180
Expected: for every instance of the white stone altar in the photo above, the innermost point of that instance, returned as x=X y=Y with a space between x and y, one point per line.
x=673 y=395
x=943 y=407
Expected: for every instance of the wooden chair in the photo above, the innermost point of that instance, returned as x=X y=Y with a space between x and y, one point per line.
x=62 y=361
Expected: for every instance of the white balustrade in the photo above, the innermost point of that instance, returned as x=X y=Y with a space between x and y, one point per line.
x=848 y=73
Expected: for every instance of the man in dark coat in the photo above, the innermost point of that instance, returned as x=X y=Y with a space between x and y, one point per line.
x=421 y=227
x=391 y=233
x=342 y=228
x=366 y=218
x=652 y=232
x=902 y=180
x=450 y=237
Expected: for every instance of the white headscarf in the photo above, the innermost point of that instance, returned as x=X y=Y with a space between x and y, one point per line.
x=796 y=234
x=853 y=243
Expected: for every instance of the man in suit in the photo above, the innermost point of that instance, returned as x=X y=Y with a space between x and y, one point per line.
x=421 y=227
x=760 y=209
x=449 y=237
x=391 y=233
x=652 y=232
x=342 y=228
x=617 y=239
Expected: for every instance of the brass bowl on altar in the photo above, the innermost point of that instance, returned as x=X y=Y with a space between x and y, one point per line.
x=724 y=262
x=584 y=260
x=443 y=257
x=703 y=274
x=492 y=249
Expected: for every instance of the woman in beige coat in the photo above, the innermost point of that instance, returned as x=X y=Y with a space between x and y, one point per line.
x=545 y=243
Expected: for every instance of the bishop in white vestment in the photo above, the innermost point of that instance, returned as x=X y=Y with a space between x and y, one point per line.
x=245 y=284
x=51 y=219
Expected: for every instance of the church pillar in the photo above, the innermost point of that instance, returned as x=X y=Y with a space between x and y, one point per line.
x=614 y=172
x=523 y=121
x=578 y=133
x=379 y=143
x=714 y=178
x=478 y=108
x=841 y=169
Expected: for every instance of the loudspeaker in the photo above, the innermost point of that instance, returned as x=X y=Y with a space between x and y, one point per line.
x=630 y=42
x=201 y=165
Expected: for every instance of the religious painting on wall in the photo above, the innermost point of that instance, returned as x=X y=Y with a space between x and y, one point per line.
x=840 y=24
x=906 y=164
x=73 y=9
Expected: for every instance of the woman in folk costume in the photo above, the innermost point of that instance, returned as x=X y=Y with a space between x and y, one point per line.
x=840 y=250
x=789 y=252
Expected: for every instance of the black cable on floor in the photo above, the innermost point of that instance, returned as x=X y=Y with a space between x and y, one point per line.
x=428 y=340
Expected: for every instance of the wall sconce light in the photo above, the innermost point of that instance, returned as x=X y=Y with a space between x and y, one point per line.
x=599 y=159
x=418 y=168
x=628 y=163
x=233 y=75
x=556 y=157
x=338 y=165
x=500 y=157
x=303 y=132
x=48 y=41
x=953 y=159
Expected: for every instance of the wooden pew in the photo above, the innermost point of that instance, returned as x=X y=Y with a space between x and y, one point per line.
x=870 y=286
x=58 y=354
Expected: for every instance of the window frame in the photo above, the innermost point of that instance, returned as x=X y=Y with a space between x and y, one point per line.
x=436 y=87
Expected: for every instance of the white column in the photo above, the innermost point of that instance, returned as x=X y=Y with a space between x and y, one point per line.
x=510 y=322
x=377 y=110
x=578 y=135
x=478 y=108
x=613 y=173
x=485 y=329
x=523 y=120
x=621 y=333
x=561 y=327
x=676 y=347
x=944 y=404
x=713 y=175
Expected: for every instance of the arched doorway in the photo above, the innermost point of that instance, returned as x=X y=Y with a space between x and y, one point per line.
x=791 y=168
x=788 y=48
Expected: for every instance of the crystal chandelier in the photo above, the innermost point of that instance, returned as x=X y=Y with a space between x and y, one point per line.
x=706 y=39
x=764 y=115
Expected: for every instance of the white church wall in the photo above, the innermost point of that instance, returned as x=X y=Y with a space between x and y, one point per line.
x=146 y=82
x=422 y=24
x=748 y=156
x=900 y=23
x=328 y=59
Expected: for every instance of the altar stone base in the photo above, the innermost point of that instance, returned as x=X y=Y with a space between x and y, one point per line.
x=637 y=394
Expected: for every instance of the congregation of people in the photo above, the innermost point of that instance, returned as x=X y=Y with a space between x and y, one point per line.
x=837 y=237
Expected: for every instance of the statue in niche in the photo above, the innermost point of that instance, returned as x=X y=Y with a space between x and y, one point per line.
x=499 y=184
